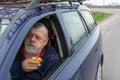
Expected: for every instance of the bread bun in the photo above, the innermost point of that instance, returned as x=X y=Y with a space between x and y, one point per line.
x=40 y=60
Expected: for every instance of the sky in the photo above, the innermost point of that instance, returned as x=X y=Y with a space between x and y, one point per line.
x=103 y=2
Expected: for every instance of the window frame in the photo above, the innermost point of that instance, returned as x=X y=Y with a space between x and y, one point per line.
x=86 y=21
x=29 y=23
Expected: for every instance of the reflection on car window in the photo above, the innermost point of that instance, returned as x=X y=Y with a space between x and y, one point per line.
x=89 y=20
x=75 y=27
x=3 y=25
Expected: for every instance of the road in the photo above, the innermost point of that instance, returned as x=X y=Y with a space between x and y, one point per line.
x=110 y=29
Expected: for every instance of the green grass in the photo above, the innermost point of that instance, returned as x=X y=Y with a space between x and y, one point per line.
x=100 y=16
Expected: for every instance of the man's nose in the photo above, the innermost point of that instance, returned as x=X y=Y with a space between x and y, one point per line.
x=33 y=38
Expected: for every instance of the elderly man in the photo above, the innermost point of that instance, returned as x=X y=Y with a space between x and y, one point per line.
x=34 y=45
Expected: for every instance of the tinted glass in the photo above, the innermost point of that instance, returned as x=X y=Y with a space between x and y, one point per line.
x=89 y=20
x=75 y=27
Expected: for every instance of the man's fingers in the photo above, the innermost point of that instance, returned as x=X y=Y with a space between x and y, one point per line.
x=30 y=65
x=33 y=65
x=29 y=69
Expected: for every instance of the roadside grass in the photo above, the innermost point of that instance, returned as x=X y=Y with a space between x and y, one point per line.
x=100 y=15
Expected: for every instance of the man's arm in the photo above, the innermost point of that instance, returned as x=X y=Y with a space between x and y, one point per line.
x=16 y=68
x=52 y=61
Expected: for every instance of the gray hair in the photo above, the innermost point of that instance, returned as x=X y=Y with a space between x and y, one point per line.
x=40 y=25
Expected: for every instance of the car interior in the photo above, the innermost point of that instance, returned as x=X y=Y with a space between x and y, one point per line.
x=54 y=40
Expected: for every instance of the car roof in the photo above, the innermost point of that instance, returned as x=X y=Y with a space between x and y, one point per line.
x=9 y=11
x=35 y=3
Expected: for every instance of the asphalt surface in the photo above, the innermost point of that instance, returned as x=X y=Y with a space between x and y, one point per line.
x=110 y=29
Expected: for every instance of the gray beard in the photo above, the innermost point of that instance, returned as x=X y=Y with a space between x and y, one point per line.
x=32 y=50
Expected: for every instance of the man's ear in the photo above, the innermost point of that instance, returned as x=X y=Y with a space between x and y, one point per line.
x=46 y=41
x=45 y=44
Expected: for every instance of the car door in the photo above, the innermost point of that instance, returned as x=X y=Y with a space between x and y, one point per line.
x=18 y=29
x=84 y=60
x=13 y=39
x=75 y=36
x=92 y=50
x=95 y=56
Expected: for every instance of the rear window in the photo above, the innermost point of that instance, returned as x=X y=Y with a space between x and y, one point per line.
x=89 y=20
x=75 y=28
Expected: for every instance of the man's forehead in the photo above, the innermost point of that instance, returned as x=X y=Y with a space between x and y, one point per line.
x=42 y=28
x=37 y=30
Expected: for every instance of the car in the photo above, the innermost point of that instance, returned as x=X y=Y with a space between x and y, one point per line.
x=73 y=33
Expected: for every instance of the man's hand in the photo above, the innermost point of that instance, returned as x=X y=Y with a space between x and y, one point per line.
x=29 y=65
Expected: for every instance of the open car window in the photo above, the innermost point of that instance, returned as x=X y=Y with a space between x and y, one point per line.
x=54 y=41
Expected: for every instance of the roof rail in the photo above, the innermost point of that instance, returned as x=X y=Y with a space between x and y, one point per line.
x=35 y=3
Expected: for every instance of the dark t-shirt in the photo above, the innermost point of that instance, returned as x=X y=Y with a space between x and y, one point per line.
x=50 y=62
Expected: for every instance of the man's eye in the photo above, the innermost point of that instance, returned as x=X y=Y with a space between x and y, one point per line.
x=29 y=35
x=38 y=38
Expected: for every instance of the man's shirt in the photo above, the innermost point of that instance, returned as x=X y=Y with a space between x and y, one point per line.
x=50 y=62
